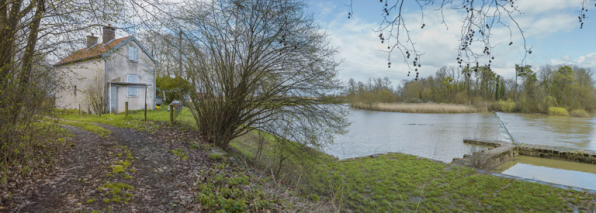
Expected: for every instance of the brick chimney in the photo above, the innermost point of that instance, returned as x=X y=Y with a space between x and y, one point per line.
x=91 y=40
x=109 y=33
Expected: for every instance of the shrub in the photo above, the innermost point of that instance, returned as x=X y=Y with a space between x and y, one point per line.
x=579 y=113
x=506 y=106
x=560 y=111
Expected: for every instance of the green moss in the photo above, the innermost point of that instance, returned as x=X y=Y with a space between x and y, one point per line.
x=194 y=146
x=181 y=153
x=117 y=192
x=215 y=157
x=117 y=169
x=232 y=191
x=90 y=201
x=315 y=197
x=125 y=163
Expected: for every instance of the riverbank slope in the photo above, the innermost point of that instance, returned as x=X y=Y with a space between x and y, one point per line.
x=382 y=183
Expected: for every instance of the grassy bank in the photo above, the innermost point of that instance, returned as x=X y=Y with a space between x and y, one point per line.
x=401 y=182
x=388 y=183
x=416 y=108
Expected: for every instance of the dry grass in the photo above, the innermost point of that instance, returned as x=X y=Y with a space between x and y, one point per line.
x=417 y=108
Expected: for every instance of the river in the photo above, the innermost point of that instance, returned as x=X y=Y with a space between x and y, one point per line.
x=435 y=136
x=440 y=137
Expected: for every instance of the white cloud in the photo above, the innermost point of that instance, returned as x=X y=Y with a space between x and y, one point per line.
x=325 y=8
x=531 y=7
x=365 y=57
x=586 y=61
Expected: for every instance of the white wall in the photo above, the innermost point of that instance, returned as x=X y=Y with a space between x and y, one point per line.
x=80 y=74
x=119 y=67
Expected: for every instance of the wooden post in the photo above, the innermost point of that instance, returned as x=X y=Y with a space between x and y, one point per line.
x=145 y=103
x=171 y=115
x=126 y=109
x=79 y=109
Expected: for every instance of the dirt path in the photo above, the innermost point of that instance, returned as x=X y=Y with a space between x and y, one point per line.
x=75 y=175
x=129 y=171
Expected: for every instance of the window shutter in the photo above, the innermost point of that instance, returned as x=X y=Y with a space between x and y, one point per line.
x=136 y=54
x=132 y=53
x=131 y=90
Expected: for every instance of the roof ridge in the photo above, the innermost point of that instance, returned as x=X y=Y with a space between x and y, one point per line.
x=91 y=52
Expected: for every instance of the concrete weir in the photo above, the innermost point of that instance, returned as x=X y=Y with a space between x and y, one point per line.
x=499 y=152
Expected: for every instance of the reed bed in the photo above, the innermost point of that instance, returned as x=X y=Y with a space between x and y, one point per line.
x=416 y=108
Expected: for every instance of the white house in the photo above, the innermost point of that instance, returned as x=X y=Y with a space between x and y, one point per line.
x=124 y=66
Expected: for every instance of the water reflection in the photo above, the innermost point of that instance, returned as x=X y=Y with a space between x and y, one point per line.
x=551 y=130
x=553 y=171
x=435 y=136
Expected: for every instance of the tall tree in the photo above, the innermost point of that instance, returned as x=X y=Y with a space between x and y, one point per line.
x=264 y=62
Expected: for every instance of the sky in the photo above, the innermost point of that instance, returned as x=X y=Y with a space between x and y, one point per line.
x=551 y=29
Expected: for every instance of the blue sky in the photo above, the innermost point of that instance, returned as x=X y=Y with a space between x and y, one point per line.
x=551 y=28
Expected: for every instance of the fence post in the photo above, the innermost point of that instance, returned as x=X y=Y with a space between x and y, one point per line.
x=79 y=109
x=145 y=111
x=171 y=115
x=126 y=109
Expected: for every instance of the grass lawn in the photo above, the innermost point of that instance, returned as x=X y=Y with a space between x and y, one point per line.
x=162 y=114
x=134 y=121
x=388 y=183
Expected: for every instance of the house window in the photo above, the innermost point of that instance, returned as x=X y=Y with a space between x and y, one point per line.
x=132 y=91
x=132 y=53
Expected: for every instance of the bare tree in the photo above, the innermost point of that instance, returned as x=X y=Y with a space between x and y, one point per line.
x=94 y=94
x=261 y=64
x=32 y=33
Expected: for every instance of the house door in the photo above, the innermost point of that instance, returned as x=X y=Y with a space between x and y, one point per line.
x=114 y=100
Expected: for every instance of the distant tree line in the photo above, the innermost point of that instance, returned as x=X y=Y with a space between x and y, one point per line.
x=568 y=87
x=373 y=91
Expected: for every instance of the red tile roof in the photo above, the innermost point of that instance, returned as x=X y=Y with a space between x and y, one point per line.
x=96 y=51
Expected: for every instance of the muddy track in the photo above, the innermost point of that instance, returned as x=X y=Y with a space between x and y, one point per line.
x=162 y=181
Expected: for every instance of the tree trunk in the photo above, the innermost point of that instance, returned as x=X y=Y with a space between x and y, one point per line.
x=28 y=57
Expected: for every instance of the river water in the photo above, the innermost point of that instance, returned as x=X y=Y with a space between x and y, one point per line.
x=440 y=137
x=572 y=132
x=435 y=136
